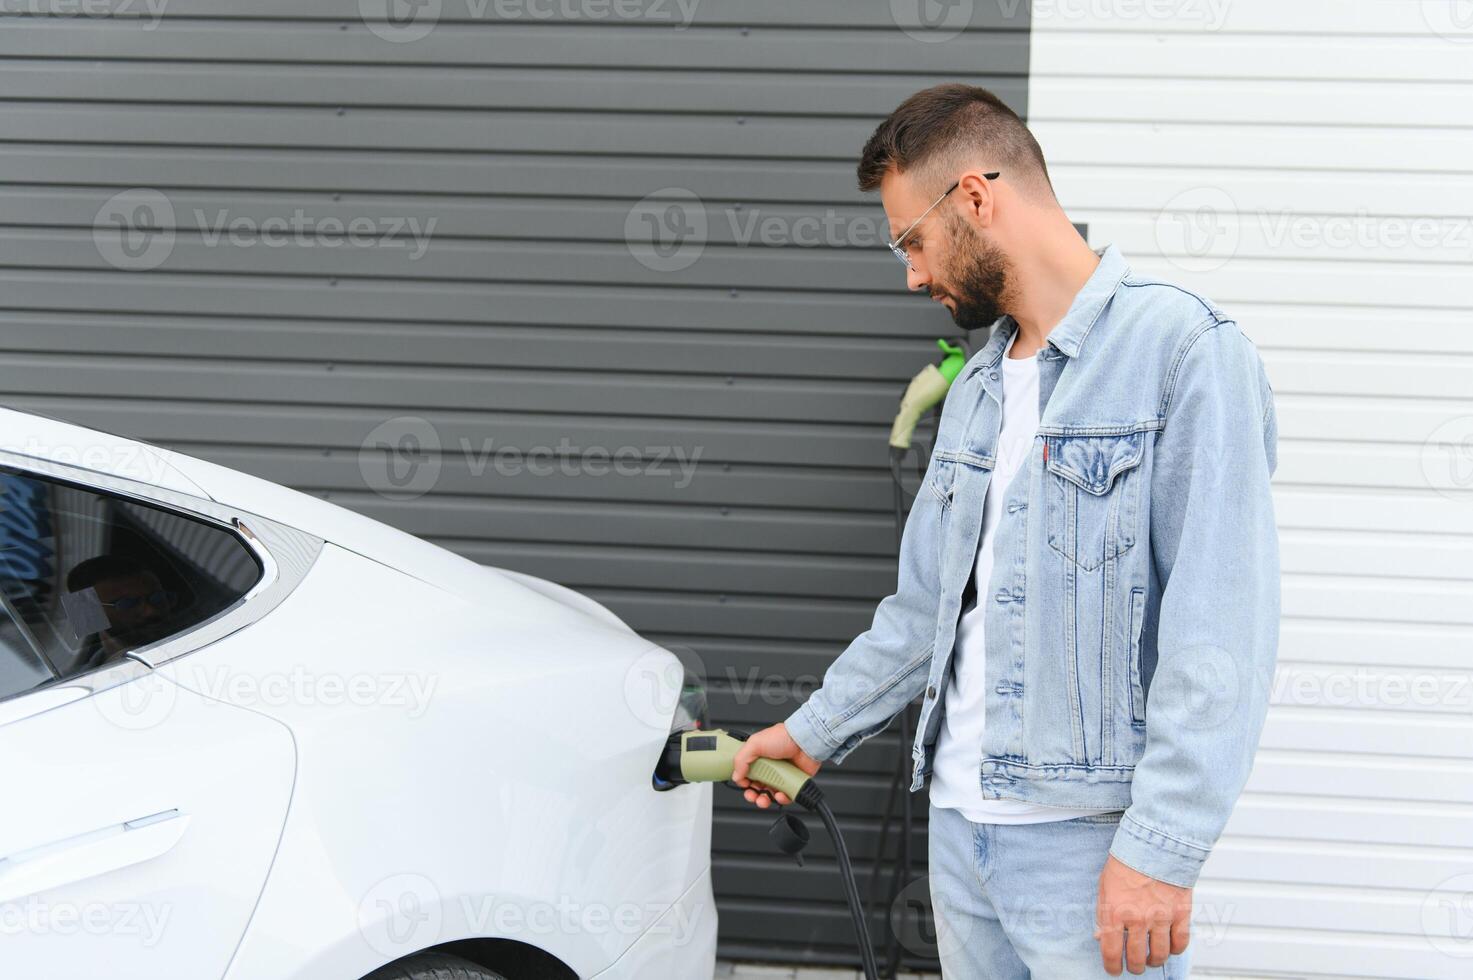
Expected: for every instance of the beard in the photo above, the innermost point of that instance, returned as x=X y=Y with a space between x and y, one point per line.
x=978 y=282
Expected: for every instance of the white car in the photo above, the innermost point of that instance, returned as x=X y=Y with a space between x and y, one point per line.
x=247 y=734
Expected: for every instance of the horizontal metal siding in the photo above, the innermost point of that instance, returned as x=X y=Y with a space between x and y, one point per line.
x=1278 y=128
x=526 y=322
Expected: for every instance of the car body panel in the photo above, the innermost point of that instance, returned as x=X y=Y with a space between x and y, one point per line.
x=436 y=721
x=363 y=535
x=491 y=777
x=84 y=894
x=100 y=452
x=681 y=944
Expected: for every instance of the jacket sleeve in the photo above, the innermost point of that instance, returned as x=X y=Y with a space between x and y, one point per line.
x=1216 y=555
x=886 y=666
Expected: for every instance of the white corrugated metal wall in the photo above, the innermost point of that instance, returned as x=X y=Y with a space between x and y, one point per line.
x=1310 y=167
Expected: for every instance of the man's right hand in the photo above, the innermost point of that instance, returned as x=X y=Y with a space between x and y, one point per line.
x=770 y=743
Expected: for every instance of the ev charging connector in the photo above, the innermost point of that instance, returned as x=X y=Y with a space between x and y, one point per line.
x=926 y=389
x=709 y=756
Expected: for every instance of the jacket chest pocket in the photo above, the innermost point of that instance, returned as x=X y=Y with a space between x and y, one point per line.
x=1093 y=492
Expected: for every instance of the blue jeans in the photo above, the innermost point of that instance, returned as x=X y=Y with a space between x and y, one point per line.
x=1017 y=901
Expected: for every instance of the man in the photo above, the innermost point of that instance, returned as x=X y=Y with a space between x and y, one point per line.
x=1088 y=590
x=133 y=600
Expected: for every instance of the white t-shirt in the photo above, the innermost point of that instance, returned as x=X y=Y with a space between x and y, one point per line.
x=957 y=774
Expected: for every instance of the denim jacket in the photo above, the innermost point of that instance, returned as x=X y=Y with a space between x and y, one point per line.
x=1132 y=616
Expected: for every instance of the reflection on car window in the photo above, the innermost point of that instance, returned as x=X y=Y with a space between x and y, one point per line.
x=86 y=577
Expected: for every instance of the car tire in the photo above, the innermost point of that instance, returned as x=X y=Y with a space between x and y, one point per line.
x=433 y=966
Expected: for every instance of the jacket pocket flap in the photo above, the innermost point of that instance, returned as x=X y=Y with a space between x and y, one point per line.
x=1093 y=462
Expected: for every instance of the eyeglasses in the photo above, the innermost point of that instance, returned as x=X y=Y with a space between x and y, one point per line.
x=899 y=249
x=158 y=600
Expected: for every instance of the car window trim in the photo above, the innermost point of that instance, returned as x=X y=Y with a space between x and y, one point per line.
x=285 y=555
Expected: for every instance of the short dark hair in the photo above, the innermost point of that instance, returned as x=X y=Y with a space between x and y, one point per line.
x=944 y=126
x=103 y=568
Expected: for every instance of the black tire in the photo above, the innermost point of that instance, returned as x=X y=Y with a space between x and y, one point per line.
x=433 y=966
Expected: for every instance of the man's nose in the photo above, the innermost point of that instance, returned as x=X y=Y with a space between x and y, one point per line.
x=916 y=277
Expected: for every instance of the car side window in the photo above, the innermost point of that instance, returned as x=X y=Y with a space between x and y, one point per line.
x=86 y=576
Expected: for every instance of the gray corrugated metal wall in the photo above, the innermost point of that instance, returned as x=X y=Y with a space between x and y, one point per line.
x=527 y=135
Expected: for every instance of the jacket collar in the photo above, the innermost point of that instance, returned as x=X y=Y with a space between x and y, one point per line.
x=1069 y=333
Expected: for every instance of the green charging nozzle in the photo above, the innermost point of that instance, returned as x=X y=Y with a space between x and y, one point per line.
x=926 y=390
x=709 y=756
x=951 y=364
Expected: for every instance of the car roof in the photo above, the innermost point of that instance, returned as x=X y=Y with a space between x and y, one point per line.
x=27 y=433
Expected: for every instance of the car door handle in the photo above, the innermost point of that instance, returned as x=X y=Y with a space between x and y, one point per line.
x=109 y=848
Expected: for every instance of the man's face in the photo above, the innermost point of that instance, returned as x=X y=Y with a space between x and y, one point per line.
x=130 y=605
x=950 y=257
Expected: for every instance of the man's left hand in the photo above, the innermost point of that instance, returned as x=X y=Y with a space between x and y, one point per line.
x=1146 y=919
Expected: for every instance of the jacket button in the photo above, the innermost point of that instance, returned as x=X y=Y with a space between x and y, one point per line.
x=931 y=693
